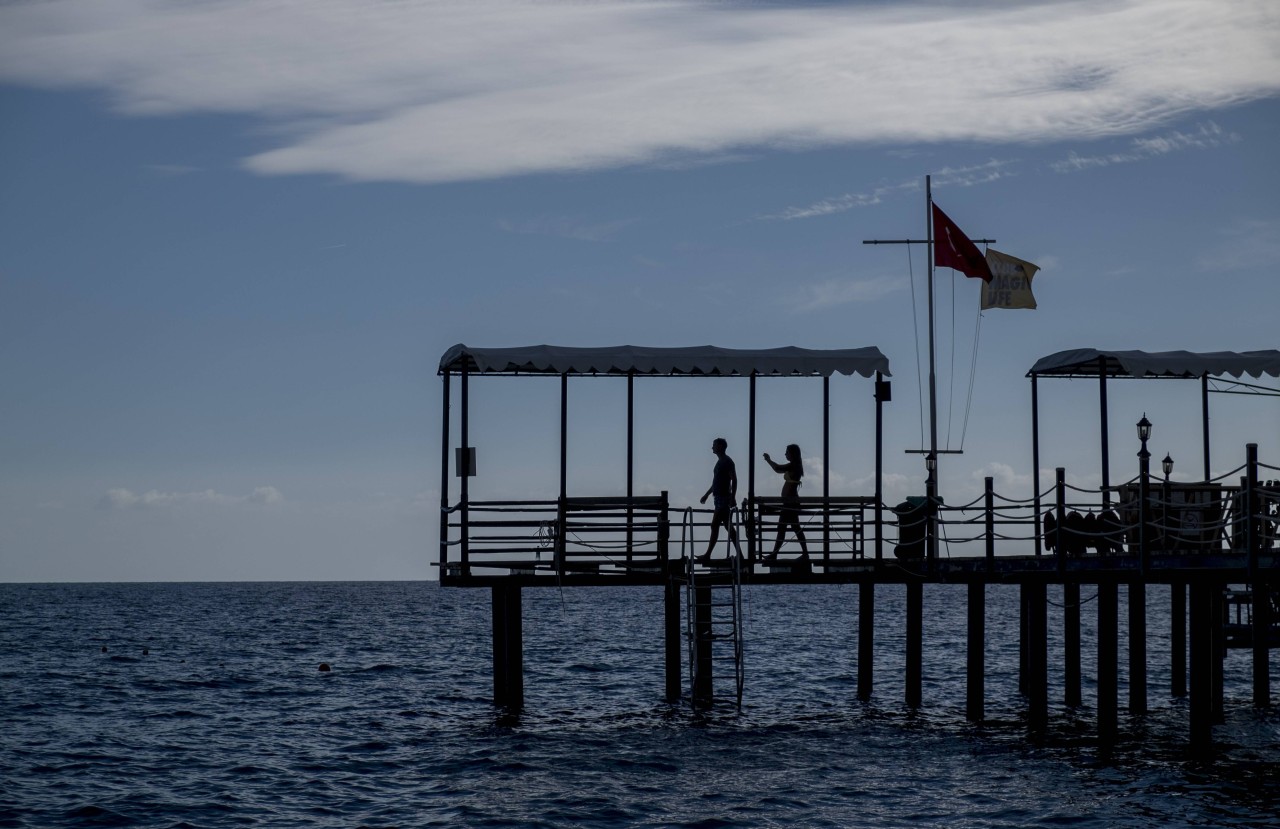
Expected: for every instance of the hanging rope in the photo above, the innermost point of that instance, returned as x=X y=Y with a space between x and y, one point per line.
x=973 y=376
x=915 y=323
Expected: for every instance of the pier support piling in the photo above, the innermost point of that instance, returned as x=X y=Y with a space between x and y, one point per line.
x=1108 y=634
x=1178 y=639
x=915 y=643
x=1137 y=648
x=975 y=689
x=702 y=682
x=1038 y=654
x=866 y=637
x=1261 y=644
x=671 y=637
x=1202 y=655
x=508 y=647
x=1071 y=644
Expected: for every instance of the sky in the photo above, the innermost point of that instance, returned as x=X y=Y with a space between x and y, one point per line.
x=236 y=237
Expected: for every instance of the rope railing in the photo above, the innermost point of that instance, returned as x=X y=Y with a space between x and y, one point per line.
x=1136 y=518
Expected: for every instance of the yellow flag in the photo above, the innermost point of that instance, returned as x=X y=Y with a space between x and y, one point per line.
x=1010 y=285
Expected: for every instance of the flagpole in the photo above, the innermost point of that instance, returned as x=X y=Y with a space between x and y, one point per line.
x=931 y=462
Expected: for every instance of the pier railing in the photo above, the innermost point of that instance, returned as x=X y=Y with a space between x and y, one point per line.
x=1233 y=514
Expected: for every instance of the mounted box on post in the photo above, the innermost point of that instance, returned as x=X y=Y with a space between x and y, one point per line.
x=464 y=457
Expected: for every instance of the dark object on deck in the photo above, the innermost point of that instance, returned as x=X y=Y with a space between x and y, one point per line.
x=1109 y=523
x=913 y=520
x=1092 y=533
x=1073 y=538
x=1050 y=531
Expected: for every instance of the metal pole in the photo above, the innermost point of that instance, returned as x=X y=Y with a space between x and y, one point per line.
x=1204 y=419
x=631 y=456
x=465 y=467
x=879 y=467
x=931 y=483
x=444 y=477
x=826 y=468
x=1035 y=458
x=1106 y=436
x=752 y=529
x=564 y=436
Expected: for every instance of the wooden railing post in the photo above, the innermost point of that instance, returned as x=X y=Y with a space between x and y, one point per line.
x=990 y=503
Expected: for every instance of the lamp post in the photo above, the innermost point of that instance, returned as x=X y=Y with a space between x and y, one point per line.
x=1144 y=475
x=1167 y=466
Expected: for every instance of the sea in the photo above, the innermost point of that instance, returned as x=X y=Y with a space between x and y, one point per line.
x=202 y=705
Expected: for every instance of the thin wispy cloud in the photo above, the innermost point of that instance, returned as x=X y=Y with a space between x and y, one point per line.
x=173 y=169
x=1206 y=136
x=120 y=498
x=435 y=90
x=946 y=177
x=567 y=227
x=844 y=291
x=1248 y=244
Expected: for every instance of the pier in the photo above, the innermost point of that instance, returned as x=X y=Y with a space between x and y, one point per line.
x=1214 y=542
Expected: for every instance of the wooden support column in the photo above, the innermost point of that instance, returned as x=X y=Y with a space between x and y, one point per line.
x=1261 y=599
x=975 y=689
x=1022 y=639
x=1037 y=655
x=1108 y=668
x=1261 y=650
x=1137 y=648
x=671 y=638
x=915 y=643
x=1178 y=639
x=702 y=683
x=866 y=637
x=1202 y=656
x=508 y=648
x=1071 y=644
x=1217 y=612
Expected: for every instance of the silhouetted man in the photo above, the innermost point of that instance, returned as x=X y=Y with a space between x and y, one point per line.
x=723 y=492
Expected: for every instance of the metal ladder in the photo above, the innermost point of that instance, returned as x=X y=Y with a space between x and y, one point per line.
x=713 y=616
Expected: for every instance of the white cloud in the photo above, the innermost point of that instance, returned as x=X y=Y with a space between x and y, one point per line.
x=1206 y=136
x=120 y=498
x=842 y=291
x=432 y=91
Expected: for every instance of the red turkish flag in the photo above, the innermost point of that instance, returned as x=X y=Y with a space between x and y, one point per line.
x=952 y=249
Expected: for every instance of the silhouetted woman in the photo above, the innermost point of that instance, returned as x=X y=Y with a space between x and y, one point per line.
x=789 y=516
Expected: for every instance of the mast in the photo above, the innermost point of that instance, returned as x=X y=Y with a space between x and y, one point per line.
x=931 y=460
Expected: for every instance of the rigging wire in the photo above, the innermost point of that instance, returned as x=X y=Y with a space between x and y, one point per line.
x=973 y=376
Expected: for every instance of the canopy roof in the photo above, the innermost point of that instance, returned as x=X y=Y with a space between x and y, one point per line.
x=697 y=360
x=1088 y=362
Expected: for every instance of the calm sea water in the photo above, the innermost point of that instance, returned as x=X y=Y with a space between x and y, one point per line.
x=224 y=720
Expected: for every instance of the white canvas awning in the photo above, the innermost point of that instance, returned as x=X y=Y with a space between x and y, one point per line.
x=1089 y=362
x=703 y=360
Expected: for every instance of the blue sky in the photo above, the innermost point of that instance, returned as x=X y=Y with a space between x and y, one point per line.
x=235 y=239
